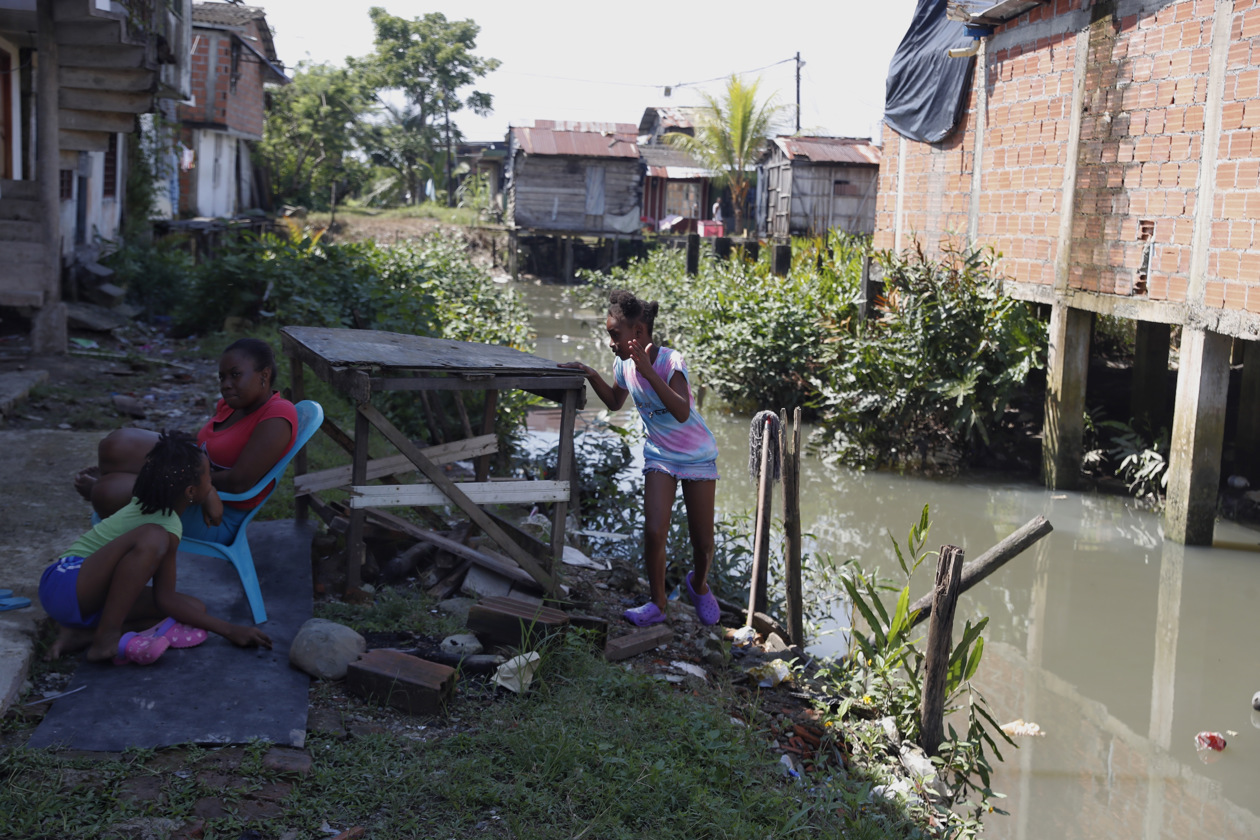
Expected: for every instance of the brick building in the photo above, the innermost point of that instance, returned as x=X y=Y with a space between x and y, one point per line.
x=233 y=59
x=1105 y=149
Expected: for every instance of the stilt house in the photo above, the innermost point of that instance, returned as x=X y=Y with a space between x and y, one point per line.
x=1106 y=150
x=74 y=74
x=677 y=190
x=816 y=184
x=575 y=178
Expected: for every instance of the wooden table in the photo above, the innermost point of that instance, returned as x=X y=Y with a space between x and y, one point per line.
x=364 y=363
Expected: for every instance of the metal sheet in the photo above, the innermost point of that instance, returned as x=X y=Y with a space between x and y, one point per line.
x=857 y=151
x=578 y=139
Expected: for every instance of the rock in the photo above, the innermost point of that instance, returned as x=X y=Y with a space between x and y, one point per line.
x=776 y=644
x=324 y=649
x=623 y=579
x=463 y=644
x=129 y=406
x=456 y=607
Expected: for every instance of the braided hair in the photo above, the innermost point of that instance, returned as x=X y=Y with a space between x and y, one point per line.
x=173 y=465
x=259 y=352
x=624 y=305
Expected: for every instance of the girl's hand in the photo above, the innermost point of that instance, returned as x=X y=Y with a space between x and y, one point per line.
x=242 y=636
x=587 y=370
x=642 y=355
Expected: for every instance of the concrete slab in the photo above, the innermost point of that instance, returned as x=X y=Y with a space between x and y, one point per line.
x=40 y=515
x=15 y=385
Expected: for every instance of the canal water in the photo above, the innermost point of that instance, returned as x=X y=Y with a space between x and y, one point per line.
x=1121 y=646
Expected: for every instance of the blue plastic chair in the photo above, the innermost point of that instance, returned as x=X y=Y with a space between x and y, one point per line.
x=310 y=416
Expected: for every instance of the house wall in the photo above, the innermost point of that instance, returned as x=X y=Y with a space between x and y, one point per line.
x=801 y=197
x=215 y=102
x=12 y=81
x=1146 y=169
x=550 y=193
x=210 y=187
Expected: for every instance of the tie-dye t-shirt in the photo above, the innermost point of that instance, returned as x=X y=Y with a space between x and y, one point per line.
x=684 y=450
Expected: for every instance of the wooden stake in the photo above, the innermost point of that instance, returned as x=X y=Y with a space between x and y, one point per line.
x=791 y=449
x=939 y=647
x=761 y=543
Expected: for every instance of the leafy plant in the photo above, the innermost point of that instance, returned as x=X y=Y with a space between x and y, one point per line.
x=1141 y=463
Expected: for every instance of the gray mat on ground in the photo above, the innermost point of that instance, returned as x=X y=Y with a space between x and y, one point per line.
x=215 y=693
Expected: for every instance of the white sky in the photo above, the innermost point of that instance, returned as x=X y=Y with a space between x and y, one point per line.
x=602 y=61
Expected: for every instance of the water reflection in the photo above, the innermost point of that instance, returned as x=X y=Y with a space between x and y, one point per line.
x=1120 y=645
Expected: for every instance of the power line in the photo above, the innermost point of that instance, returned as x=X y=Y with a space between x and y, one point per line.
x=643 y=84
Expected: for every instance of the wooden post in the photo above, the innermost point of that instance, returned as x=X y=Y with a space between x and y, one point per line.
x=693 y=254
x=514 y=260
x=487 y=428
x=939 y=647
x=782 y=262
x=356 y=550
x=297 y=386
x=761 y=543
x=791 y=449
x=722 y=247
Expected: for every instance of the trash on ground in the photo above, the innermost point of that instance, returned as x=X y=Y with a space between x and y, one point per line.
x=518 y=672
x=771 y=673
x=689 y=668
x=743 y=637
x=574 y=557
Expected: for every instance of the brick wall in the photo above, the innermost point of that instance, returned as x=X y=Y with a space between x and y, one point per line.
x=1146 y=91
x=215 y=101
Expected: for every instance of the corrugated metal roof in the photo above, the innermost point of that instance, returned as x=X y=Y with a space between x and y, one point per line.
x=665 y=161
x=578 y=139
x=854 y=150
x=666 y=117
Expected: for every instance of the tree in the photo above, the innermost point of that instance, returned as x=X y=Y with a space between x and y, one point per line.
x=730 y=134
x=310 y=133
x=430 y=60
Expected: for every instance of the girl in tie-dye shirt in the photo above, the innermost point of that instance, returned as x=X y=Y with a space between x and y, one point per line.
x=679 y=447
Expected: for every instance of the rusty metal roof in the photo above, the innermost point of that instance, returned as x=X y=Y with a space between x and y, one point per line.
x=853 y=150
x=213 y=15
x=665 y=161
x=578 y=139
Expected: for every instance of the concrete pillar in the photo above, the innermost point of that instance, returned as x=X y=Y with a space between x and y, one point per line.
x=1149 y=396
x=1067 y=369
x=693 y=254
x=1247 y=433
x=981 y=120
x=48 y=326
x=514 y=256
x=1194 y=463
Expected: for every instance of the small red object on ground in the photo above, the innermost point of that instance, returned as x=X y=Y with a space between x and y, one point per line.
x=1209 y=741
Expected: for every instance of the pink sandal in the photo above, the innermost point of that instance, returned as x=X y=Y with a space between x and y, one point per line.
x=177 y=634
x=140 y=650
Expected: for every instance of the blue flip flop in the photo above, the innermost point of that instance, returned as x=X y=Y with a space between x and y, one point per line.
x=13 y=602
x=6 y=593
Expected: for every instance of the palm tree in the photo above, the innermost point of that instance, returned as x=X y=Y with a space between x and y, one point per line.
x=730 y=135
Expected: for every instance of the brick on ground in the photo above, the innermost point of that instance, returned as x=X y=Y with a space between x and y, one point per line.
x=632 y=644
x=507 y=621
x=408 y=683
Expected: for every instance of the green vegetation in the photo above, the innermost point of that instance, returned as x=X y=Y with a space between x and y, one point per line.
x=935 y=369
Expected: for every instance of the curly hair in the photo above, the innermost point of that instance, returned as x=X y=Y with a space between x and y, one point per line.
x=624 y=305
x=259 y=352
x=174 y=464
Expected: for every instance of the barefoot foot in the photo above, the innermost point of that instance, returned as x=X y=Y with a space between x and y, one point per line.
x=85 y=479
x=69 y=640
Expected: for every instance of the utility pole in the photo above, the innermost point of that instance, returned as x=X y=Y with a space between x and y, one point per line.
x=799 y=64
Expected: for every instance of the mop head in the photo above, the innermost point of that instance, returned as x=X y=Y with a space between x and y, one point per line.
x=759 y=421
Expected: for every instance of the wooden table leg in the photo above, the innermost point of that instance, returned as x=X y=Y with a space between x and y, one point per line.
x=487 y=428
x=301 y=507
x=356 y=551
x=565 y=469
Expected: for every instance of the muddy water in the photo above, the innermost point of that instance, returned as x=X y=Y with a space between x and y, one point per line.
x=1120 y=645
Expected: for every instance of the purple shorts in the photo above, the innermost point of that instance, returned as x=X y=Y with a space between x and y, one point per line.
x=58 y=595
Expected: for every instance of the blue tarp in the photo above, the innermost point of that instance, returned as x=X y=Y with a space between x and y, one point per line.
x=926 y=88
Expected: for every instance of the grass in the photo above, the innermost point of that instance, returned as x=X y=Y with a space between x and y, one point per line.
x=594 y=751
x=464 y=216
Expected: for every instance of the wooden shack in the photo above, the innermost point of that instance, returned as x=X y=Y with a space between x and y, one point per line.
x=676 y=189
x=575 y=178
x=816 y=184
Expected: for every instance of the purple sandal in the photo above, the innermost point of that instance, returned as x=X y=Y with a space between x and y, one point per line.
x=644 y=616
x=706 y=605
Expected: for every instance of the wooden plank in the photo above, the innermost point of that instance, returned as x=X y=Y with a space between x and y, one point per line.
x=939 y=648
x=478 y=493
x=450 y=383
x=503 y=566
x=447 y=453
x=356 y=550
x=439 y=478
x=387 y=350
x=624 y=647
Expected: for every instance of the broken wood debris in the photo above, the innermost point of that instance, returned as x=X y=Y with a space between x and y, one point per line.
x=408 y=683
